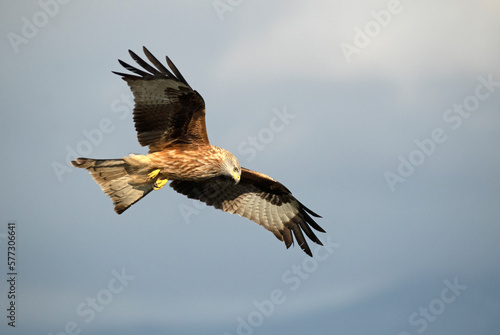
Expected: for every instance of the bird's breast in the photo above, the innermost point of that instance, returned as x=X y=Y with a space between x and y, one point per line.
x=190 y=164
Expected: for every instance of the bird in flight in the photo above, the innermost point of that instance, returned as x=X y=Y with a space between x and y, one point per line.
x=169 y=118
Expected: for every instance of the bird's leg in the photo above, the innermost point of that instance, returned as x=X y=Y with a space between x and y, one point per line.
x=159 y=183
x=153 y=174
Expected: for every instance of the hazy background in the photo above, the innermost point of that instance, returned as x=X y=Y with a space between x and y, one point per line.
x=356 y=118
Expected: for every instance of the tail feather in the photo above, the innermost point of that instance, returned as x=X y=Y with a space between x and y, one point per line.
x=118 y=179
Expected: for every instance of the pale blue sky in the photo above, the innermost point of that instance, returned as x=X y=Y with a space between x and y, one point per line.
x=394 y=140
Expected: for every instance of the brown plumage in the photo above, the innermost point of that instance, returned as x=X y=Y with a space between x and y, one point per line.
x=169 y=117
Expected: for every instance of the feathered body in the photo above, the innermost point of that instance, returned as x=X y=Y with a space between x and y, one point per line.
x=183 y=162
x=169 y=117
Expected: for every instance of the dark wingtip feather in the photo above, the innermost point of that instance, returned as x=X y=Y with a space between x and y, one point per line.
x=312 y=223
x=158 y=70
x=145 y=50
x=306 y=249
x=156 y=62
x=135 y=70
x=309 y=211
x=125 y=75
x=287 y=237
x=299 y=237
x=146 y=66
x=176 y=71
x=304 y=225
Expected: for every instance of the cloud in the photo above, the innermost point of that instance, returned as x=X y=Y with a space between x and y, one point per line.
x=438 y=38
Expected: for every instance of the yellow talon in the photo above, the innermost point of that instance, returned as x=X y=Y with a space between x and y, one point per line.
x=153 y=174
x=159 y=184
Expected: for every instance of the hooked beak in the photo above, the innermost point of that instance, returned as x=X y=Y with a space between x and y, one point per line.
x=236 y=177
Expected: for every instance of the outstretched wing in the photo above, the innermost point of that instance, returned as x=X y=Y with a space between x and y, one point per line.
x=258 y=198
x=167 y=110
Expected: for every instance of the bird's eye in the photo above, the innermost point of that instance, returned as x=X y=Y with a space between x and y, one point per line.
x=235 y=169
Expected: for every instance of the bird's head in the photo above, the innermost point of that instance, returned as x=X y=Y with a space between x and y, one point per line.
x=231 y=167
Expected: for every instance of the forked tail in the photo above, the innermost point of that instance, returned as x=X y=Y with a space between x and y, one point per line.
x=124 y=183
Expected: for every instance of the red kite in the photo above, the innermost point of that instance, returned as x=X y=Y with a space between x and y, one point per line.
x=169 y=117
